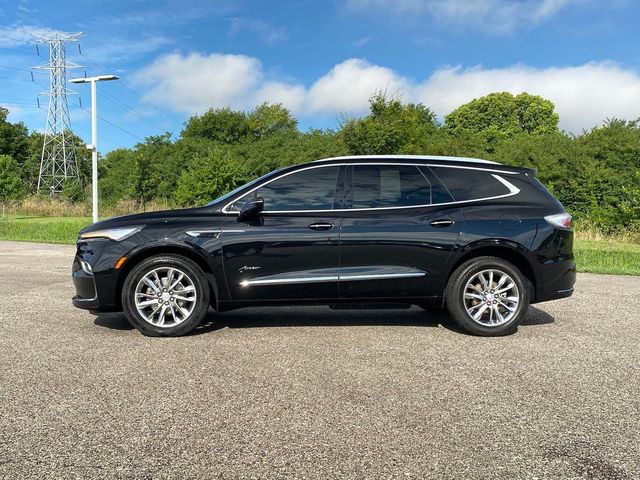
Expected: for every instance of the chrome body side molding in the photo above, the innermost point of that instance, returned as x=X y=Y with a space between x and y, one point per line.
x=376 y=272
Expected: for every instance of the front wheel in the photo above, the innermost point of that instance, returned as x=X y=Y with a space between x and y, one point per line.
x=165 y=295
x=488 y=296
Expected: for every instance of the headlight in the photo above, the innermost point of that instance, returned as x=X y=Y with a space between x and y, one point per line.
x=115 y=234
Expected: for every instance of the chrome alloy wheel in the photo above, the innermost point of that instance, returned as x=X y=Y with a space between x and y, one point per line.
x=165 y=297
x=491 y=298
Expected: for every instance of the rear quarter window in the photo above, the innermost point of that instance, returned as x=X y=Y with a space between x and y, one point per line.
x=466 y=184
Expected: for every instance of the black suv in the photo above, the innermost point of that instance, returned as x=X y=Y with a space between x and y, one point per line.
x=484 y=239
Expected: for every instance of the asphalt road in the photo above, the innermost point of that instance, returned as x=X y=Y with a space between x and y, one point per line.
x=314 y=393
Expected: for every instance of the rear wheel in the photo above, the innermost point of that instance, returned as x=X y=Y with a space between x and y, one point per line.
x=488 y=296
x=165 y=295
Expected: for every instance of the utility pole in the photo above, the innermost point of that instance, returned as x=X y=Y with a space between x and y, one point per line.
x=58 y=161
x=94 y=136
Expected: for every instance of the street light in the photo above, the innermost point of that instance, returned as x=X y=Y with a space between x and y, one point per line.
x=94 y=136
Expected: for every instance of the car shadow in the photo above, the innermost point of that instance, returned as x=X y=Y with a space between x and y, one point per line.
x=273 y=317
x=113 y=321
x=535 y=316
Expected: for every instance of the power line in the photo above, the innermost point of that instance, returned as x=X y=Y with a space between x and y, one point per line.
x=23 y=52
x=18 y=104
x=15 y=68
x=115 y=126
x=132 y=110
x=102 y=137
x=163 y=112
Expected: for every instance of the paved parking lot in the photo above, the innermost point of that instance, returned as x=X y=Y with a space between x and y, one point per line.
x=314 y=393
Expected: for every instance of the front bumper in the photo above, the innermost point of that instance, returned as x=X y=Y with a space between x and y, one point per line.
x=86 y=294
x=94 y=276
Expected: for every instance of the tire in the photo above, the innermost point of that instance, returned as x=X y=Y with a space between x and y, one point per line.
x=497 y=311
x=160 y=311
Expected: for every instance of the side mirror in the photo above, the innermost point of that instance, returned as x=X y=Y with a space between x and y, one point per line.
x=251 y=208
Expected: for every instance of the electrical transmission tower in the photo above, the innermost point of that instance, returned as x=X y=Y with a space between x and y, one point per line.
x=58 y=162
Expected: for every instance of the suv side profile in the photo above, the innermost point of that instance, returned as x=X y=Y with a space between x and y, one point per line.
x=482 y=239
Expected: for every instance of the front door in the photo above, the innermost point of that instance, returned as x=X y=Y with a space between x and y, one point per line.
x=395 y=238
x=291 y=250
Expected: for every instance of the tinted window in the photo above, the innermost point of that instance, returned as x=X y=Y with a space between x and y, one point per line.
x=376 y=186
x=465 y=184
x=311 y=189
x=439 y=194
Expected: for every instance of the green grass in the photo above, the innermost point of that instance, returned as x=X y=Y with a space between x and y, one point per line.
x=607 y=256
x=42 y=229
x=597 y=256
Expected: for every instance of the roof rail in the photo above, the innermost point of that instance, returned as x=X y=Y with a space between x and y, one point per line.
x=409 y=157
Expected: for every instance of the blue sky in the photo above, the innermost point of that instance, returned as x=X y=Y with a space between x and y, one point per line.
x=323 y=59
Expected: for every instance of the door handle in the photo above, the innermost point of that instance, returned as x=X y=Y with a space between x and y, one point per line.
x=321 y=226
x=442 y=223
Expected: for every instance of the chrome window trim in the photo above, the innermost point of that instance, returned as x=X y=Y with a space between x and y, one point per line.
x=513 y=190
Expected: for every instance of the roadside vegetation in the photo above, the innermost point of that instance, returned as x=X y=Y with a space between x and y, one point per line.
x=594 y=252
x=596 y=174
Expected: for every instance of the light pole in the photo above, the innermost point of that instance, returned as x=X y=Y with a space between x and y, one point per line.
x=94 y=136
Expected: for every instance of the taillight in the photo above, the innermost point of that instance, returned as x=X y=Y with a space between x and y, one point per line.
x=560 y=220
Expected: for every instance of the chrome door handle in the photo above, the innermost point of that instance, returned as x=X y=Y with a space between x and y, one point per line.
x=321 y=226
x=442 y=223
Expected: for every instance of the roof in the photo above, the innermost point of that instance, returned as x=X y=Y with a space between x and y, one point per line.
x=410 y=157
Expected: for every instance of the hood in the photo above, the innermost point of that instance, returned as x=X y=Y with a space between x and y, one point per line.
x=147 y=217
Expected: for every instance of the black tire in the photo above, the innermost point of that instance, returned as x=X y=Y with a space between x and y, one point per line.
x=456 y=304
x=191 y=321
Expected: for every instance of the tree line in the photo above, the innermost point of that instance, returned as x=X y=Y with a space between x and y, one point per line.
x=596 y=174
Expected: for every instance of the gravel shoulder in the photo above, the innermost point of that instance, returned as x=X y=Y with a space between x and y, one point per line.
x=314 y=393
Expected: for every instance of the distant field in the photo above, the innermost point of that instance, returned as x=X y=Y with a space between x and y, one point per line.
x=606 y=256
x=42 y=229
x=596 y=256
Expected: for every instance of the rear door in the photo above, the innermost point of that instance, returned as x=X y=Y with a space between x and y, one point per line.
x=397 y=233
x=291 y=250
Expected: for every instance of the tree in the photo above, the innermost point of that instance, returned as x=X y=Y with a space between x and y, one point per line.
x=209 y=177
x=267 y=120
x=14 y=138
x=11 y=186
x=144 y=187
x=500 y=116
x=220 y=124
x=391 y=128
x=117 y=172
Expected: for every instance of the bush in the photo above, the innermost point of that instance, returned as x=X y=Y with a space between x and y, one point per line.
x=209 y=177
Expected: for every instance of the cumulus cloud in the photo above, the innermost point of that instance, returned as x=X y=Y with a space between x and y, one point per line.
x=493 y=15
x=195 y=82
x=18 y=35
x=348 y=86
x=584 y=95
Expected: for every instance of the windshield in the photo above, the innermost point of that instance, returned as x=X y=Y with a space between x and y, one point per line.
x=241 y=187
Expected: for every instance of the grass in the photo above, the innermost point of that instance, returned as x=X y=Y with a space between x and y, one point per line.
x=42 y=229
x=597 y=255
x=607 y=256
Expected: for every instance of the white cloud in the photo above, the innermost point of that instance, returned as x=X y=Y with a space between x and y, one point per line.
x=195 y=82
x=584 y=95
x=493 y=15
x=18 y=35
x=348 y=86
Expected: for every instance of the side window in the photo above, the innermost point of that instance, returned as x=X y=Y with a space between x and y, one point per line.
x=466 y=184
x=376 y=186
x=311 y=189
